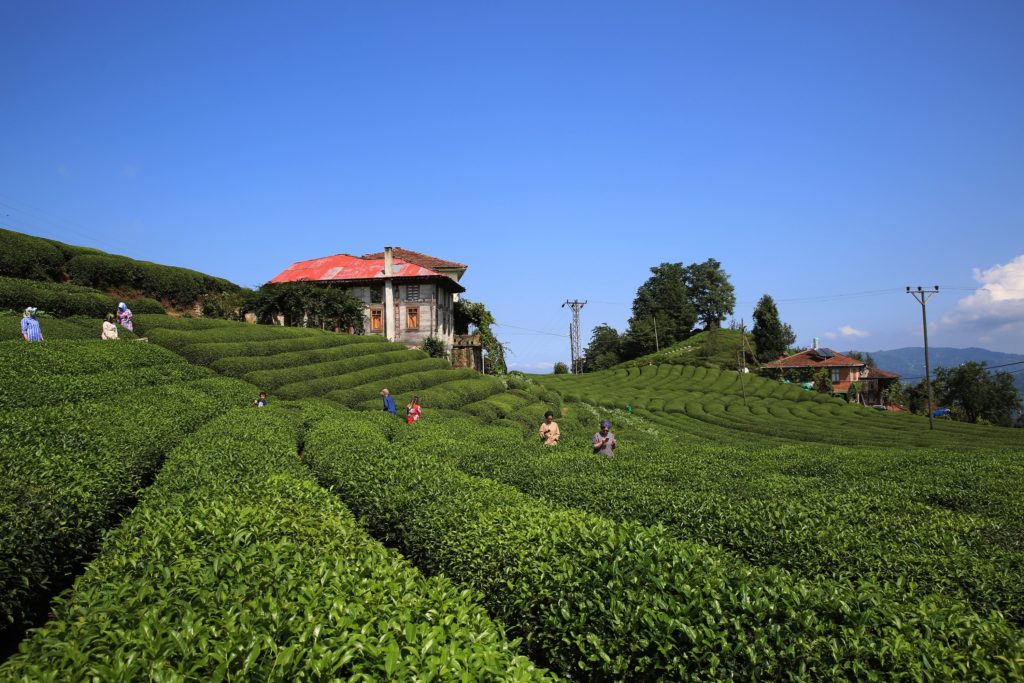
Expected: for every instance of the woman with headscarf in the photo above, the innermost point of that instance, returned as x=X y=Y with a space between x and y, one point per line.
x=109 y=328
x=124 y=316
x=414 y=411
x=30 y=329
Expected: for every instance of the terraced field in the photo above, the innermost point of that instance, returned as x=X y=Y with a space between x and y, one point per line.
x=297 y=363
x=723 y=406
x=745 y=529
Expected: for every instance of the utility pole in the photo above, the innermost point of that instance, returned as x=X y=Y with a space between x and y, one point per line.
x=743 y=362
x=656 y=347
x=922 y=296
x=574 y=334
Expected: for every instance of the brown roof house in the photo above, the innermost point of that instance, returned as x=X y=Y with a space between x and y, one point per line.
x=843 y=371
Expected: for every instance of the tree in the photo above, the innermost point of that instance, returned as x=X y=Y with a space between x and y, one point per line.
x=788 y=335
x=822 y=381
x=561 y=368
x=603 y=350
x=768 y=333
x=864 y=356
x=469 y=313
x=975 y=393
x=434 y=347
x=894 y=395
x=303 y=304
x=710 y=292
x=661 y=303
x=853 y=392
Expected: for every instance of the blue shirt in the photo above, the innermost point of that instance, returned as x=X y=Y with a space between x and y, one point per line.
x=30 y=327
x=389 y=405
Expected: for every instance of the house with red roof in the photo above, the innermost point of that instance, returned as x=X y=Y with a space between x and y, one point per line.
x=843 y=371
x=407 y=296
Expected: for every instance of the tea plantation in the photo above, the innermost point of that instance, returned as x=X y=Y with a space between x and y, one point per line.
x=155 y=525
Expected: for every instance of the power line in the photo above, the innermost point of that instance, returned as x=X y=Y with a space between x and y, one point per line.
x=527 y=329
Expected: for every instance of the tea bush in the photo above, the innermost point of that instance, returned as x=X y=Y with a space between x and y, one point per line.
x=68 y=471
x=369 y=356
x=411 y=376
x=600 y=600
x=239 y=366
x=63 y=300
x=236 y=566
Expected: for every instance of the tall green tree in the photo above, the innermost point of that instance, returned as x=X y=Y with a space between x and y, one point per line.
x=303 y=304
x=710 y=292
x=768 y=333
x=604 y=349
x=662 y=310
x=973 y=393
x=474 y=313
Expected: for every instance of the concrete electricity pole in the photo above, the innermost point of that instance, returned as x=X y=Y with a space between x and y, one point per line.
x=574 y=334
x=922 y=296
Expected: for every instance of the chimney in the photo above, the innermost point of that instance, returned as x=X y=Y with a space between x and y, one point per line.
x=390 y=333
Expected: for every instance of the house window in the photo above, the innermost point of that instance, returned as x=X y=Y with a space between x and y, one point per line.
x=412 y=292
x=412 y=318
x=835 y=375
x=376 y=295
x=376 y=320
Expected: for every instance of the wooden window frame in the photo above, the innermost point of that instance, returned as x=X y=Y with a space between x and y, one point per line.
x=376 y=316
x=410 y=313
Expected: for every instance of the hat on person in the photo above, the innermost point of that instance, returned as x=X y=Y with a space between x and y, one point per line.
x=30 y=311
x=606 y=423
x=122 y=305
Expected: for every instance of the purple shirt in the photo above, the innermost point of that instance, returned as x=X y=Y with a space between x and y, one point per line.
x=30 y=329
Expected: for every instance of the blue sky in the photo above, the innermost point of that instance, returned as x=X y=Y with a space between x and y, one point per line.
x=828 y=154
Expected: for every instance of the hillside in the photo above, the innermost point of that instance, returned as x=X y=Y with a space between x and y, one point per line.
x=742 y=522
x=29 y=258
x=895 y=556
x=908 y=362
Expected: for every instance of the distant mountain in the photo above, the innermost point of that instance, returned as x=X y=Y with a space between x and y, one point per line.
x=909 y=362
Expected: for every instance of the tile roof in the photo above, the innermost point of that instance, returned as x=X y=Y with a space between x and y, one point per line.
x=419 y=259
x=810 y=359
x=876 y=373
x=343 y=267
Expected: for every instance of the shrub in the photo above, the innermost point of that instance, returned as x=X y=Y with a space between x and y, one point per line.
x=599 y=600
x=434 y=347
x=65 y=300
x=365 y=384
x=24 y=256
x=180 y=286
x=67 y=472
x=236 y=566
x=561 y=368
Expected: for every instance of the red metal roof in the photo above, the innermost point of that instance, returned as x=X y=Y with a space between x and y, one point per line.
x=342 y=267
x=420 y=259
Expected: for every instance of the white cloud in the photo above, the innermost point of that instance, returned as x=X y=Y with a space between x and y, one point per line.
x=851 y=331
x=998 y=304
x=845 y=331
